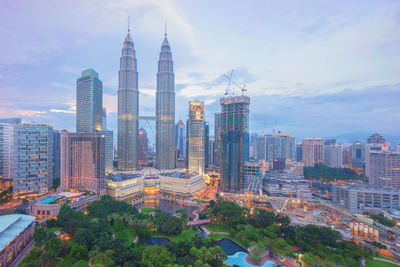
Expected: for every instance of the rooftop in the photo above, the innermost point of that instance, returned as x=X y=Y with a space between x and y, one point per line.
x=178 y=174
x=369 y=187
x=119 y=176
x=11 y=226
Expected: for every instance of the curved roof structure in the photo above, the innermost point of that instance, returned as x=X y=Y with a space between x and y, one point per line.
x=11 y=226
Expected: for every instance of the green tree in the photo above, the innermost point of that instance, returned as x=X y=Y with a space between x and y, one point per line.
x=39 y=235
x=79 y=252
x=80 y=263
x=155 y=256
x=103 y=260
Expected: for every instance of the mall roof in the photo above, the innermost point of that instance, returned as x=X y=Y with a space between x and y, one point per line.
x=11 y=226
x=178 y=174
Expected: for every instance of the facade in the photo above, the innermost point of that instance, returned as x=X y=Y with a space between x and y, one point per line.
x=180 y=139
x=122 y=186
x=181 y=184
x=376 y=139
x=313 y=151
x=383 y=168
x=108 y=149
x=104 y=118
x=299 y=152
x=217 y=141
x=56 y=154
x=278 y=145
x=361 y=197
x=235 y=141
x=165 y=109
x=8 y=155
x=143 y=148
x=89 y=102
x=48 y=206
x=254 y=168
x=253 y=146
x=83 y=161
x=16 y=232
x=128 y=107
x=346 y=158
x=206 y=145
x=30 y=158
x=196 y=137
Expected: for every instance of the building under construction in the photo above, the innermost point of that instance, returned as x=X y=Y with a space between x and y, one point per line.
x=235 y=141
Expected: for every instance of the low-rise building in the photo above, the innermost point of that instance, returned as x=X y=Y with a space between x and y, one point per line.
x=286 y=184
x=181 y=183
x=363 y=197
x=123 y=186
x=48 y=206
x=16 y=231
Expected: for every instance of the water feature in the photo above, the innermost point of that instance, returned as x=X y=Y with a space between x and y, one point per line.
x=239 y=259
x=157 y=241
x=48 y=200
x=166 y=205
x=230 y=247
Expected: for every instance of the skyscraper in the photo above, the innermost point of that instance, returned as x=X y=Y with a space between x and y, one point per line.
x=357 y=154
x=278 y=145
x=128 y=107
x=165 y=109
x=104 y=119
x=235 y=141
x=56 y=154
x=26 y=157
x=327 y=154
x=180 y=139
x=313 y=151
x=206 y=144
x=89 y=102
x=195 y=137
x=217 y=141
x=143 y=148
x=82 y=161
x=335 y=155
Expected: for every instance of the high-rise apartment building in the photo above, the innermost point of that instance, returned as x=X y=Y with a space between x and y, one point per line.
x=165 y=109
x=335 y=155
x=313 y=151
x=143 y=148
x=299 y=152
x=346 y=158
x=82 y=161
x=279 y=145
x=235 y=141
x=327 y=154
x=357 y=154
x=26 y=153
x=89 y=102
x=383 y=168
x=180 y=139
x=128 y=107
x=195 y=137
x=217 y=141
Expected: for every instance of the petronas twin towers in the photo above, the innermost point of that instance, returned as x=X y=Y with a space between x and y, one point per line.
x=128 y=108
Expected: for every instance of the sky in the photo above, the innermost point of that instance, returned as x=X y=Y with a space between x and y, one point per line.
x=312 y=68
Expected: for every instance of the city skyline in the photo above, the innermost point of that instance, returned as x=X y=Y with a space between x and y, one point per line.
x=297 y=98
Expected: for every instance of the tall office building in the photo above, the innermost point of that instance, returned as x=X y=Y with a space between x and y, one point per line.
x=346 y=158
x=128 y=107
x=195 y=137
x=165 y=109
x=56 y=154
x=383 y=168
x=357 y=154
x=206 y=145
x=217 y=141
x=253 y=146
x=104 y=119
x=327 y=154
x=143 y=148
x=211 y=152
x=180 y=139
x=299 y=153
x=313 y=151
x=89 y=102
x=376 y=139
x=82 y=161
x=278 y=145
x=235 y=141
x=26 y=153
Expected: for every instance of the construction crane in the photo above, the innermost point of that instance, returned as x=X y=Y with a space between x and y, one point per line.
x=229 y=82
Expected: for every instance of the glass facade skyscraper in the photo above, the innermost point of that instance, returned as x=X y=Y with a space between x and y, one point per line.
x=217 y=141
x=128 y=108
x=235 y=141
x=89 y=102
x=195 y=137
x=180 y=139
x=165 y=109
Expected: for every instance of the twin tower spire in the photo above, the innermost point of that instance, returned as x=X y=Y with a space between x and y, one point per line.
x=128 y=108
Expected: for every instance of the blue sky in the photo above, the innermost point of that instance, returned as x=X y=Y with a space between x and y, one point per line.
x=312 y=68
